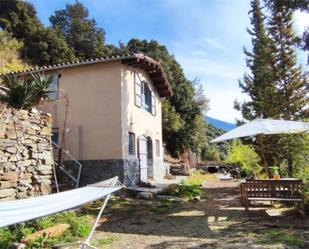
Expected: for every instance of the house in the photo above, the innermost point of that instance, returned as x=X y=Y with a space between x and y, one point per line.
x=107 y=114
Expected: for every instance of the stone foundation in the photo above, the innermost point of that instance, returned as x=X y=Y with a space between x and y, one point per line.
x=127 y=169
x=98 y=170
x=25 y=153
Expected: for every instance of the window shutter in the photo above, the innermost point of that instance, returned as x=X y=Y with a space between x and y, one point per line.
x=153 y=103
x=138 y=93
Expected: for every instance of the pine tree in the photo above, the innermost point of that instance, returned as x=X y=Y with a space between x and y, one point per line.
x=81 y=33
x=259 y=84
x=291 y=82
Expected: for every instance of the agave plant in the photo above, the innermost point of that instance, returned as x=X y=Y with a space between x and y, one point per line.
x=25 y=92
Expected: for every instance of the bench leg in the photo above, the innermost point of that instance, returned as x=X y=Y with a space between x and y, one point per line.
x=302 y=208
x=247 y=205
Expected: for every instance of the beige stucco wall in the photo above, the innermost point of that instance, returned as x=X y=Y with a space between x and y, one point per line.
x=100 y=104
x=93 y=114
x=139 y=121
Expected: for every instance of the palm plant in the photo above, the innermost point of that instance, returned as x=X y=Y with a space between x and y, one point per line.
x=25 y=92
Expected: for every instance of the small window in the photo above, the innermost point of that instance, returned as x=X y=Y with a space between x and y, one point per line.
x=157 y=148
x=55 y=135
x=54 y=85
x=131 y=143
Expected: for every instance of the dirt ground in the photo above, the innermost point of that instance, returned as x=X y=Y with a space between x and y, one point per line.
x=215 y=222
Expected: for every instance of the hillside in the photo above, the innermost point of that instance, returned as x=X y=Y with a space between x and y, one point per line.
x=219 y=123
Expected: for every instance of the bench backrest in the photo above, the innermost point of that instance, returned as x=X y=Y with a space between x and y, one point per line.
x=284 y=189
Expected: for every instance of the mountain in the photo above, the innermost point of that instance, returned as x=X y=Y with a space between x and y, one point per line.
x=219 y=123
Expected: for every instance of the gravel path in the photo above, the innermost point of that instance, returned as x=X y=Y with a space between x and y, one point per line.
x=216 y=222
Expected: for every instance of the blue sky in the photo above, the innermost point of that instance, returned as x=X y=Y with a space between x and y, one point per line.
x=206 y=37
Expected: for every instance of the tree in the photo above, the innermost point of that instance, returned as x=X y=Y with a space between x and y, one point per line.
x=80 y=32
x=41 y=45
x=46 y=47
x=10 y=53
x=277 y=87
x=291 y=82
x=19 y=18
x=260 y=84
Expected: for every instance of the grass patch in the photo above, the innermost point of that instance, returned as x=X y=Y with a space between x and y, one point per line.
x=290 y=238
x=79 y=228
x=163 y=207
x=106 y=241
x=189 y=188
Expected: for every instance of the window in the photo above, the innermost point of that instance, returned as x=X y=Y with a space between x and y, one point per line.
x=157 y=147
x=55 y=135
x=54 y=85
x=144 y=96
x=131 y=143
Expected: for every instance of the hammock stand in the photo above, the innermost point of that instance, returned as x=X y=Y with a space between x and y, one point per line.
x=13 y=212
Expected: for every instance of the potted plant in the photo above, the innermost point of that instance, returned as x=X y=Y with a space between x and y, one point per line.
x=275 y=171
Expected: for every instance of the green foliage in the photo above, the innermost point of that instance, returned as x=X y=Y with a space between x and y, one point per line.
x=45 y=46
x=24 y=93
x=277 y=87
x=171 y=120
x=79 y=228
x=246 y=158
x=10 y=53
x=260 y=84
x=80 y=32
x=40 y=45
x=106 y=241
x=270 y=236
x=210 y=153
x=163 y=206
x=221 y=148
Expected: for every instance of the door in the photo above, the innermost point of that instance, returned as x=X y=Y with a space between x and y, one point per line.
x=143 y=158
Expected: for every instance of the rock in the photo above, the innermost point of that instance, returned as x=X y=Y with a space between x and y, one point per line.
x=7 y=192
x=8 y=184
x=11 y=135
x=11 y=176
x=168 y=197
x=11 y=150
x=18 y=246
x=49 y=232
x=144 y=195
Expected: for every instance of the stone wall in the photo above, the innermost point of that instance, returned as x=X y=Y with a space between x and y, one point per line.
x=25 y=153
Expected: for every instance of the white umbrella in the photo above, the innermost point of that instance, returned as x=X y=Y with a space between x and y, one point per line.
x=264 y=126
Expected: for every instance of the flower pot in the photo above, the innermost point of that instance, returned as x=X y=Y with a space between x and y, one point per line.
x=277 y=177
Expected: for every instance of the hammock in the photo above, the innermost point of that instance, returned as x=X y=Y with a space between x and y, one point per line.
x=13 y=212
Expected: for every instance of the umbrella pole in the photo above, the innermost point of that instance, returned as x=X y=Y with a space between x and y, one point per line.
x=261 y=140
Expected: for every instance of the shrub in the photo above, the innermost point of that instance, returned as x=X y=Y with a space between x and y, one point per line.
x=25 y=92
x=246 y=158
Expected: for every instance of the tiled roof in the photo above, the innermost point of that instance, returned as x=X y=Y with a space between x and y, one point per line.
x=137 y=60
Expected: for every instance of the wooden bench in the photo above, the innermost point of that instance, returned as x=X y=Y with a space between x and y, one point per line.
x=271 y=190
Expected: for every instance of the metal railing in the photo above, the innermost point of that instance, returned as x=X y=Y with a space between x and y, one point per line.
x=61 y=164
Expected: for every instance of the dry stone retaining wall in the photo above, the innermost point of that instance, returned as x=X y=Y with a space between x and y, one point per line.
x=25 y=153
